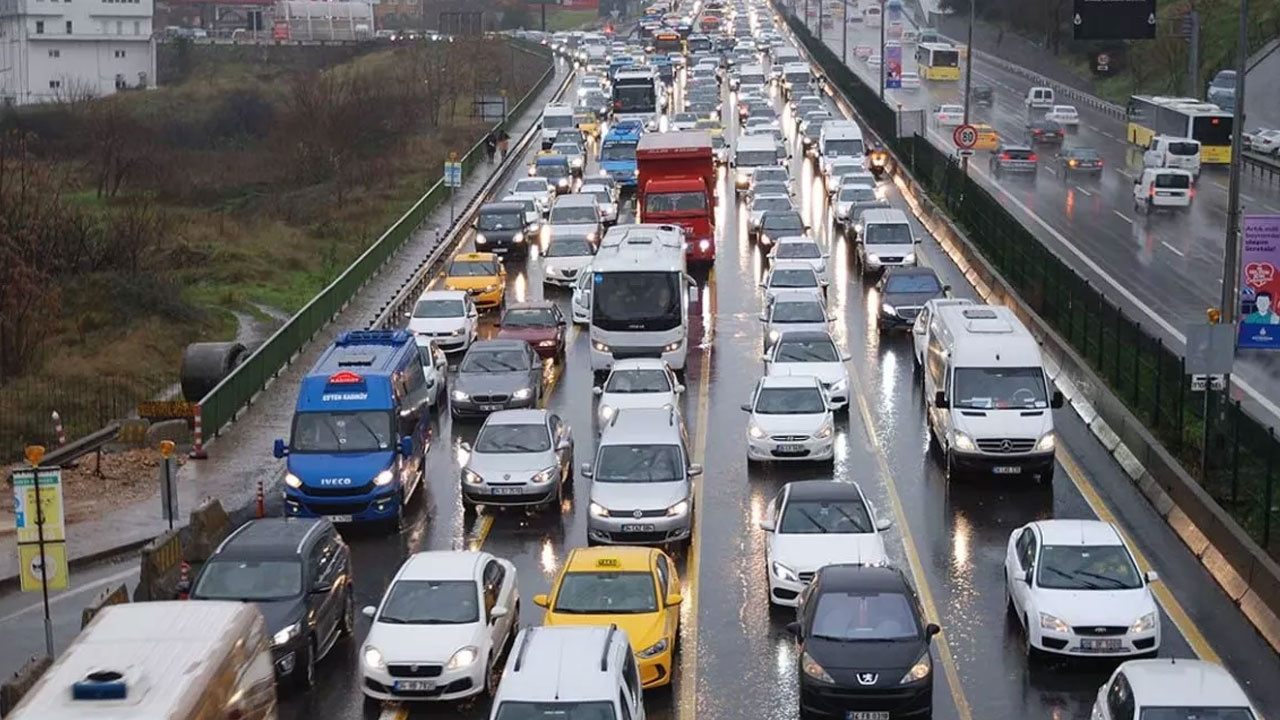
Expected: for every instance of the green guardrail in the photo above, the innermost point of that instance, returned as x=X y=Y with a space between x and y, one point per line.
x=1235 y=457
x=237 y=389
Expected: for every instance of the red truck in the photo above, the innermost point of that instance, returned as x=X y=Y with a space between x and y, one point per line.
x=676 y=184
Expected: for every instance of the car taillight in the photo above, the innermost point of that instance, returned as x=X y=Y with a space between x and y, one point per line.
x=1072 y=163
x=1038 y=132
x=1191 y=193
x=1004 y=156
x=1033 y=158
x=1151 y=191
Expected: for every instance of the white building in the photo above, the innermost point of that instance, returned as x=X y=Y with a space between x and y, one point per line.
x=60 y=49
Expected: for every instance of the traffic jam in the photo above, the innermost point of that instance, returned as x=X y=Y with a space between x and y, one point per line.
x=651 y=445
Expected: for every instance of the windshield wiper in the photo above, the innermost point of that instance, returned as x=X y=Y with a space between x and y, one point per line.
x=851 y=520
x=1118 y=583
x=813 y=520
x=392 y=620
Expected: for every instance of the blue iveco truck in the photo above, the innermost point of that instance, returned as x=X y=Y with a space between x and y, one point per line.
x=618 y=152
x=361 y=431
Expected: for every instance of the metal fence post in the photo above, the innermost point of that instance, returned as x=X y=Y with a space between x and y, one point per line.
x=1269 y=494
x=1235 y=459
x=1115 y=344
x=1155 y=415
x=1137 y=366
x=1182 y=391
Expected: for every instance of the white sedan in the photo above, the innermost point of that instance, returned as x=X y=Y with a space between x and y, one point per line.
x=538 y=189
x=812 y=523
x=760 y=204
x=803 y=249
x=802 y=352
x=790 y=420
x=910 y=80
x=791 y=275
x=874 y=61
x=1076 y=590
x=948 y=115
x=637 y=383
x=443 y=624
x=1064 y=115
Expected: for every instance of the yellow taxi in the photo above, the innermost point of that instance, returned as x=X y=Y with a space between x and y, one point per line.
x=481 y=275
x=988 y=138
x=588 y=123
x=710 y=125
x=635 y=588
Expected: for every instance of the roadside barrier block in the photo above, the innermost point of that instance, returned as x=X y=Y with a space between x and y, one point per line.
x=111 y=596
x=1262 y=618
x=1188 y=531
x=209 y=526
x=1225 y=574
x=14 y=688
x=160 y=562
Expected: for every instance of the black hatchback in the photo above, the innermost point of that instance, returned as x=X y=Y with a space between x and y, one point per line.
x=1045 y=132
x=500 y=228
x=864 y=646
x=297 y=571
x=903 y=292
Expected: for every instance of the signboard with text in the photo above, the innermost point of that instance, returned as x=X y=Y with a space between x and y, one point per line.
x=1259 y=282
x=1114 y=19
x=893 y=65
x=41 y=529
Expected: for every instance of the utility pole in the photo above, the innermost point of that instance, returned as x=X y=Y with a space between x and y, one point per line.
x=968 y=76
x=1231 y=254
x=882 y=21
x=1193 y=55
x=821 y=5
x=844 y=42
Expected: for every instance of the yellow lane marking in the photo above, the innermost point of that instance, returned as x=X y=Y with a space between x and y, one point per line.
x=913 y=556
x=689 y=658
x=482 y=532
x=1172 y=607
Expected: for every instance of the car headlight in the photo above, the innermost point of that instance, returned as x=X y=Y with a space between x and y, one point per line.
x=825 y=431
x=384 y=478
x=857 y=228
x=471 y=476
x=842 y=209
x=490 y=288
x=373 y=658
x=481 y=239
x=782 y=572
x=604 y=172
x=457 y=331
x=1054 y=624
x=292 y=480
x=606 y=412
x=680 y=508
x=671 y=347
x=600 y=347
x=1047 y=442
x=546 y=343
x=756 y=431
x=962 y=441
x=765 y=239
x=873 y=258
x=1145 y=623
x=464 y=657
x=562 y=182
x=704 y=244
x=522 y=394
x=840 y=386
x=655 y=649
x=887 y=309
x=576 y=162
x=774 y=334
x=598 y=510
x=812 y=668
x=545 y=475
x=518 y=237
x=286 y=634
x=919 y=671
x=909 y=258
x=459 y=396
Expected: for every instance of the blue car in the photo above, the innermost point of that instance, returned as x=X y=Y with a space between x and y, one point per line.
x=361 y=431
x=618 y=152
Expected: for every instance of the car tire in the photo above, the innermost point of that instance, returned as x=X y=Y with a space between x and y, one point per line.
x=951 y=472
x=1034 y=655
x=491 y=678
x=396 y=523
x=304 y=668
x=348 y=627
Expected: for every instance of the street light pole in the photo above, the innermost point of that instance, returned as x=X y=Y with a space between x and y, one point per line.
x=1231 y=254
x=844 y=35
x=882 y=50
x=821 y=5
x=968 y=76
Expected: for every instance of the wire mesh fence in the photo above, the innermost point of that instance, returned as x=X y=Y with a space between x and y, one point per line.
x=84 y=404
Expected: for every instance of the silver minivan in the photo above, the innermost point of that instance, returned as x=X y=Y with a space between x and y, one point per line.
x=576 y=214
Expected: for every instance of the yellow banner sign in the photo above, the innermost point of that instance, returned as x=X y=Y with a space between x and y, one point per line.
x=26 y=515
x=54 y=562
x=166 y=409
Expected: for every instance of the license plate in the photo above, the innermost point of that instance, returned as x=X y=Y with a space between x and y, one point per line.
x=1092 y=645
x=490 y=408
x=1007 y=469
x=507 y=490
x=339 y=518
x=637 y=528
x=1162 y=193
x=866 y=715
x=414 y=685
x=790 y=448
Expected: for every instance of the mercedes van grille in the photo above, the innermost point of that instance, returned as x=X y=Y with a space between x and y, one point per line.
x=1006 y=445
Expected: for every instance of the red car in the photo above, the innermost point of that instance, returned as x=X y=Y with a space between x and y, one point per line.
x=539 y=323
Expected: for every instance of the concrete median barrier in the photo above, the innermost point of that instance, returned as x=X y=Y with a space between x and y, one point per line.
x=208 y=527
x=14 y=688
x=161 y=563
x=117 y=595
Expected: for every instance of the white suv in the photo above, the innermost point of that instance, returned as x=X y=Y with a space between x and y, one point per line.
x=585 y=671
x=790 y=420
x=446 y=317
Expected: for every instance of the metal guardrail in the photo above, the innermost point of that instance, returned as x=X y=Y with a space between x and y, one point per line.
x=238 y=389
x=1260 y=164
x=82 y=446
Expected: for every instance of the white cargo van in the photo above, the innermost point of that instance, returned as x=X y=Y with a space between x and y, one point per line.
x=555 y=117
x=177 y=660
x=1166 y=151
x=884 y=239
x=1163 y=189
x=989 y=403
x=751 y=152
x=1040 y=98
x=839 y=139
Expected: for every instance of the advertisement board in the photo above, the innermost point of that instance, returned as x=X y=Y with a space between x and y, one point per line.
x=1259 y=282
x=1114 y=19
x=892 y=65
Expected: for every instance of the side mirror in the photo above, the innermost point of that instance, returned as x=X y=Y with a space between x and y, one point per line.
x=764 y=357
x=883 y=523
x=946 y=288
x=408 y=314
x=369 y=611
x=931 y=629
x=564 y=444
x=1152 y=576
x=1056 y=400
x=768 y=525
x=695 y=470
x=542 y=600
x=280 y=449
x=764 y=318
x=845 y=357
x=321 y=588
x=586 y=470
x=794 y=628
x=406 y=446
x=597 y=390
x=940 y=400
x=674 y=599
x=679 y=389
x=498 y=611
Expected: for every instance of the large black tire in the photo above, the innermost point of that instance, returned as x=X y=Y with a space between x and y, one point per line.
x=304 y=667
x=204 y=365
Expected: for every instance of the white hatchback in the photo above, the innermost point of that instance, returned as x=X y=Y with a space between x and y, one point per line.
x=948 y=115
x=1076 y=589
x=790 y=419
x=637 y=383
x=800 y=352
x=446 y=317
x=1064 y=115
x=801 y=249
x=791 y=275
x=443 y=624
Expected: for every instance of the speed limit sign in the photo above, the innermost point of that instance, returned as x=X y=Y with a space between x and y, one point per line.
x=966 y=136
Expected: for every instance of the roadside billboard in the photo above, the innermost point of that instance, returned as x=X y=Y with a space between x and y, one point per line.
x=892 y=65
x=1259 y=282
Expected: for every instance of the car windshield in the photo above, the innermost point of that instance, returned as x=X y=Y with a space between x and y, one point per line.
x=999 y=388
x=819 y=517
x=529 y=317
x=638 y=381
x=491 y=361
x=1173 y=181
x=790 y=401
x=631 y=301
x=430 y=602
x=504 y=438
x=799 y=250
x=249 y=580
x=639 y=464
x=439 y=309
x=686 y=117
x=618 y=151
x=607 y=593
x=887 y=234
x=774 y=202
x=772 y=187
x=501 y=220
x=552 y=170
x=754 y=158
x=556 y=122
x=793 y=278
x=569 y=247
x=473 y=268
x=558 y=710
x=797 y=312
x=533 y=185
x=1087 y=567
x=601 y=194
x=773 y=174
x=820 y=350
x=856 y=617
x=574 y=215
x=913 y=283
x=675 y=202
x=783 y=222
x=1195 y=713
x=1083 y=154
x=848 y=147
x=566 y=149
x=341 y=432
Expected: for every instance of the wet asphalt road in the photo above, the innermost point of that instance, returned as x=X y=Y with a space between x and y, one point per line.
x=737 y=661
x=1169 y=263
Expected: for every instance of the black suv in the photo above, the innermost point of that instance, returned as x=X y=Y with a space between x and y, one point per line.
x=500 y=228
x=297 y=571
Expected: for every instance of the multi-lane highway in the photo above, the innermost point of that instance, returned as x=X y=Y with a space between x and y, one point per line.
x=1163 y=270
x=736 y=659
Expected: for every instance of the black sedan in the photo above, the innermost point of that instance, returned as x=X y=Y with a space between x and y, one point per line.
x=496 y=375
x=1079 y=161
x=903 y=291
x=777 y=224
x=864 y=646
x=1045 y=132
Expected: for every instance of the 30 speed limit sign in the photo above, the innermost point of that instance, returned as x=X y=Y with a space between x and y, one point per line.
x=966 y=136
